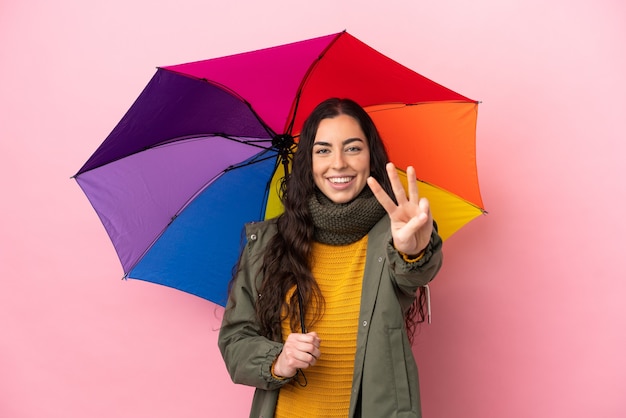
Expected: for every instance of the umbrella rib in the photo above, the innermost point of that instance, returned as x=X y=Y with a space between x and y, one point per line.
x=235 y=94
x=246 y=163
x=267 y=128
x=296 y=100
x=383 y=107
x=252 y=142
x=434 y=186
x=191 y=199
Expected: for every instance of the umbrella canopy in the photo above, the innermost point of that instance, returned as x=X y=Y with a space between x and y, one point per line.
x=204 y=146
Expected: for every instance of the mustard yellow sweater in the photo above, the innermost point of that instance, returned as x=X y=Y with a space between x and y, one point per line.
x=338 y=271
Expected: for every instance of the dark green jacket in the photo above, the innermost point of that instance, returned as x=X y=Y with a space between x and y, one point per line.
x=385 y=382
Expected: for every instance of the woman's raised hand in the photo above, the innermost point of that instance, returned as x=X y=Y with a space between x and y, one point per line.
x=411 y=220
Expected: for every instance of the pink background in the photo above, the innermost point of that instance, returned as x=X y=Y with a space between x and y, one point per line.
x=529 y=313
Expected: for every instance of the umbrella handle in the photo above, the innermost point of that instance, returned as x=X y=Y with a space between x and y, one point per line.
x=301 y=306
x=302 y=382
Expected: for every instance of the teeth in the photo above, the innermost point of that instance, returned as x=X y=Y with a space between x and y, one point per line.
x=338 y=180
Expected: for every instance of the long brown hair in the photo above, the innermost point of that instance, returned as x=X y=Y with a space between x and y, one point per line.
x=286 y=259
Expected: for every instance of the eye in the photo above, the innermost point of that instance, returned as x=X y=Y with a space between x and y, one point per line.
x=353 y=148
x=321 y=151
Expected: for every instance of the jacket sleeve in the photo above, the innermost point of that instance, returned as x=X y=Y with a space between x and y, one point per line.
x=248 y=355
x=411 y=276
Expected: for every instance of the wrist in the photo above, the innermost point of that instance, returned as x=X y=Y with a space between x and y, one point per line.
x=412 y=258
x=277 y=375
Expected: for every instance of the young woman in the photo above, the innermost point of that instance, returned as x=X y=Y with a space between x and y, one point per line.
x=324 y=301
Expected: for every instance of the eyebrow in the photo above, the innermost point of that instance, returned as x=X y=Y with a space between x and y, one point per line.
x=344 y=142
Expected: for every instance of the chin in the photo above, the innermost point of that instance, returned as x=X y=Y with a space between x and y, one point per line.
x=342 y=198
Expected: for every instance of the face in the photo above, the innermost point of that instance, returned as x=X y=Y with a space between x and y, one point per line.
x=341 y=158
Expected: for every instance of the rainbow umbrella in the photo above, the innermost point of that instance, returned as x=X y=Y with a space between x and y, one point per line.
x=203 y=148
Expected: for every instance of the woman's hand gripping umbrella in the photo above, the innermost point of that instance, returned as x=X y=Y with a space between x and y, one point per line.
x=300 y=352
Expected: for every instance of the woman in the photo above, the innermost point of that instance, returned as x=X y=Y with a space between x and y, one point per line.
x=320 y=308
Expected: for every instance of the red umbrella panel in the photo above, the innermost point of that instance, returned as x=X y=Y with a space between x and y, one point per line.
x=201 y=150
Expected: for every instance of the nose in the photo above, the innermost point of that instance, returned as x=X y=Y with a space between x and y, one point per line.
x=339 y=160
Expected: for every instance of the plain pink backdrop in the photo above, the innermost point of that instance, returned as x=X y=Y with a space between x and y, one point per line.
x=529 y=316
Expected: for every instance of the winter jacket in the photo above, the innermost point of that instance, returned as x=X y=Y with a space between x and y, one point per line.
x=385 y=381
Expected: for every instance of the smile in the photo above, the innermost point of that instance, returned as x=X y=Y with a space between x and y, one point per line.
x=340 y=180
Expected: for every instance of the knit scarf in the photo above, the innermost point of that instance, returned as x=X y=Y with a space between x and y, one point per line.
x=344 y=223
